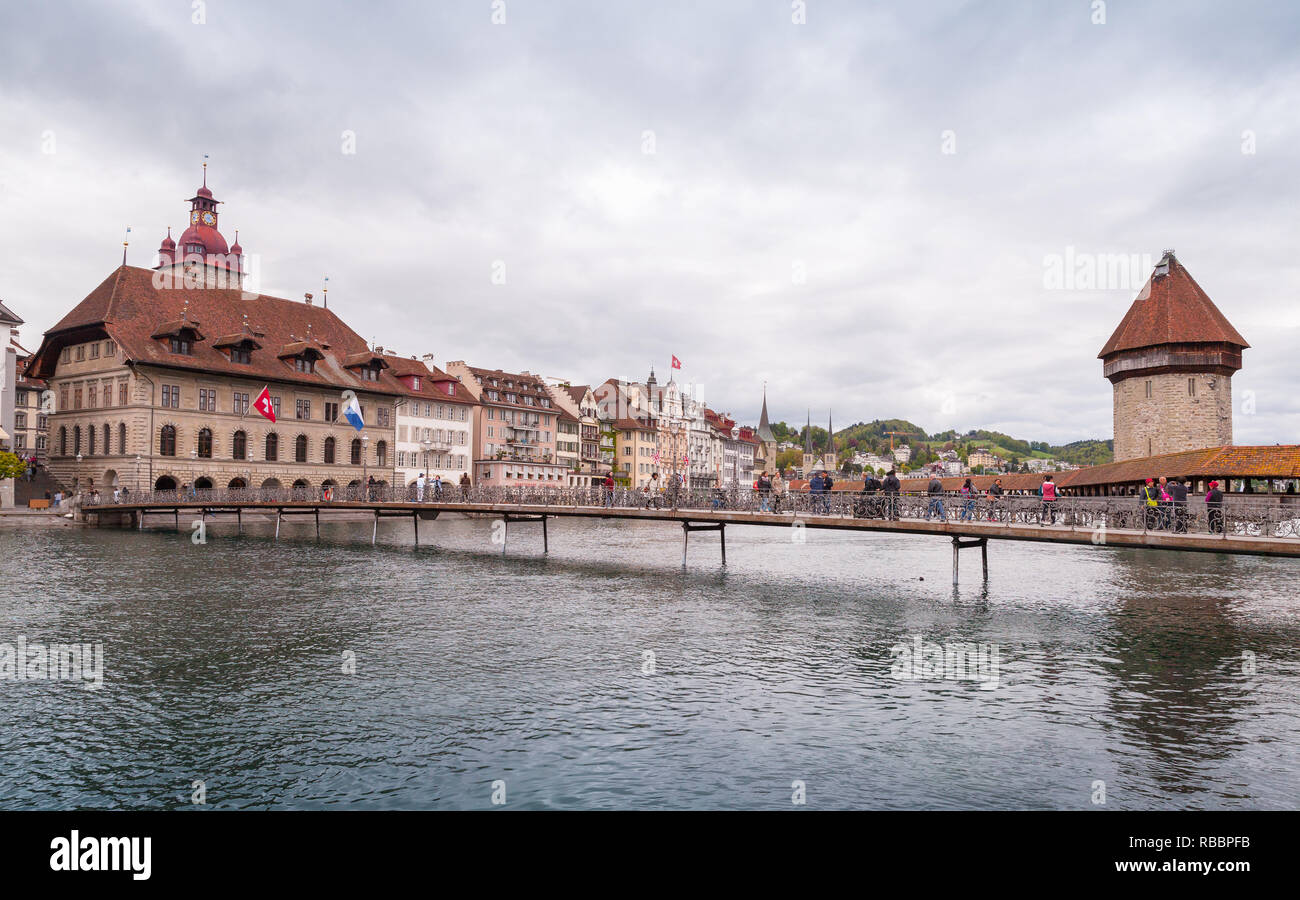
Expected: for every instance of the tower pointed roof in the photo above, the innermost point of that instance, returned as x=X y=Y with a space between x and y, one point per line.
x=1171 y=309
x=830 y=433
x=764 y=429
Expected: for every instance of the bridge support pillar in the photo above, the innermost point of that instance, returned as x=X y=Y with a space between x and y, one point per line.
x=278 y=514
x=318 y=524
x=505 y=530
x=720 y=528
x=959 y=545
x=239 y=517
x=415 y=519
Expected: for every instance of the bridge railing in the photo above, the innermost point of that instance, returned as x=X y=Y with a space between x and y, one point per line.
x=1256 y=516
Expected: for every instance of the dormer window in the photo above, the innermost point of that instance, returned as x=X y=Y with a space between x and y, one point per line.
x=240 y=346
x=415 y=382
x=180 y=336
x=302 y=356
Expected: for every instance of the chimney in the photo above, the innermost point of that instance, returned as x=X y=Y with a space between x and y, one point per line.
x=379 y=351
x=307 y=297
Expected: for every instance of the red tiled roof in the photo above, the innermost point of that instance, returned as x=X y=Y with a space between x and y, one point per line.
x=1171 y=309
x=128 y=306
x=524 y=386
x=435 y=384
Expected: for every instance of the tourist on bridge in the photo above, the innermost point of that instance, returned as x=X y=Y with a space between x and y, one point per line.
x=1047 y=490
x=419 y=488
x=764 y=487
x=870 y=502
x=995 y=499
x=778 y=491
x=608 y=489
x=1151 y=500
x=1165 y=505
x=1214 y=508
x=652 y=491
x=464 y=486
x=935 y=506
x=968 y=494
x=892 y=487
x=437 y=487
x=815 y=492
x=1178 y=505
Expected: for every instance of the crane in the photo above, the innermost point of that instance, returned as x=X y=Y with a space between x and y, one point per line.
x=901 y=434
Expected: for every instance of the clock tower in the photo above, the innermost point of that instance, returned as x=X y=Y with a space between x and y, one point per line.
x=201 y=255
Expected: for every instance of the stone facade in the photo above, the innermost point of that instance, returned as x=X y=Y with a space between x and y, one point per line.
x=144 y=460
x=1171 y=412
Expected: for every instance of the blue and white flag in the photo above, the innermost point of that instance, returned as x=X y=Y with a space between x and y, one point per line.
x=352 y=412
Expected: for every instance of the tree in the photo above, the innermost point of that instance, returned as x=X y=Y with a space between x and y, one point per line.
x=11 y=466
x=789 y=459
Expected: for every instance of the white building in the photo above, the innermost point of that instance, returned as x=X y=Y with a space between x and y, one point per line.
x=435 y=422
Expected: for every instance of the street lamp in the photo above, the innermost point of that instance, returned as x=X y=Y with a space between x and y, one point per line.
x=137 y=473
x=427 y=444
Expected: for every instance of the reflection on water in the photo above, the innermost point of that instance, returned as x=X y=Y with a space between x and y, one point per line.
x=225 y=663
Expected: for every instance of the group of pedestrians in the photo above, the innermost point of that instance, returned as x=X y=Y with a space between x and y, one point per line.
x=1165 y=505
x=434 y=486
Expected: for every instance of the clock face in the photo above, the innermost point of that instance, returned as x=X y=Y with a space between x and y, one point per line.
x=209 y=218
x=194 y=218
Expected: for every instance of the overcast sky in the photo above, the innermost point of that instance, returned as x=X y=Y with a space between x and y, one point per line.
x=859 y=210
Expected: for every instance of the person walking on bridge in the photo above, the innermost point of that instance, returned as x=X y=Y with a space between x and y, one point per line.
x=1178 y=505
x=1151 y=503
x=1047 y=490
x=764 y=485
x=464 y=486
x=935 y=506
x=968 y=495
x=608 y=488
x=1214 y=508
x=419 y=488
x=892 y=487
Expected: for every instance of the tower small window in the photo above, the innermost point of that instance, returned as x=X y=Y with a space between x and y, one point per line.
x=1149 y=388
x=1191 y=387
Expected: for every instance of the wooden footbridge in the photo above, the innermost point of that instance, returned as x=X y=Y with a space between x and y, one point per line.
x=1253 y=526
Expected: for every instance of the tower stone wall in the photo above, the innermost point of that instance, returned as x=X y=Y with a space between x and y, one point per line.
x=1174 y=417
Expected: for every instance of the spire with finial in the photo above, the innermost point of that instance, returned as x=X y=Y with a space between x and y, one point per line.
x=326 y=292
x=807 y=441
x=205 y=170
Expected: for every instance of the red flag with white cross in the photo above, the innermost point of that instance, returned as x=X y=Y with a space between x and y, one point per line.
x=677 y=363
x=263 y=404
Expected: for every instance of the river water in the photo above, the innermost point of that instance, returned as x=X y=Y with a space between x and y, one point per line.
x=606 y=675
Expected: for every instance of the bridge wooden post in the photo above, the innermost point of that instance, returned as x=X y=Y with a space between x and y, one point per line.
x=239 y=517
x=415 y=519
x=984 y=555
x=278 y=513
x=374 y=534
x=719 y=527
x=318 y=523
x=546 y=547
x=686 y=539
x=177 y=512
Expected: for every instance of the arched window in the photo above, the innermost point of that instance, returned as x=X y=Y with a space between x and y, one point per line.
x=121 y=439
x=356 y=451
x=108 y=440
x=381 y=453
x=329 y=450
x=239 y=446
x=63 y=440
x=272 y=447
x=300 y=449
x=76 y=440
x=205 y=443
x=167 y=441
x=90 y=441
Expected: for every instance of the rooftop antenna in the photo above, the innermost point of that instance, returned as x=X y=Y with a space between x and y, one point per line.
x=326 y=291
x=205 y=170
x=126 y=239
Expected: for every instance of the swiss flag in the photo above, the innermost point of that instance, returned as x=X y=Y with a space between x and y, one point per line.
x=263 y=404
x=677 y=363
